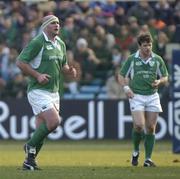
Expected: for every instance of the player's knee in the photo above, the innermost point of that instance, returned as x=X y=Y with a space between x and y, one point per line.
x=139 y=127
x=54 y=124
x=150 y=130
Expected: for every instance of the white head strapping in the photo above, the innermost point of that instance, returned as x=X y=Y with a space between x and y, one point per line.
x=49 y=19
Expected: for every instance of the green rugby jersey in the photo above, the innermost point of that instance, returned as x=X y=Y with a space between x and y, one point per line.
x=45 y=57
x=143 y=73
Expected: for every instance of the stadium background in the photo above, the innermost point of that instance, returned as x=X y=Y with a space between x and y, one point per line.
x=99 y=36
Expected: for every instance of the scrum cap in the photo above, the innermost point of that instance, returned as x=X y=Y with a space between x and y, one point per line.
x=49 y=19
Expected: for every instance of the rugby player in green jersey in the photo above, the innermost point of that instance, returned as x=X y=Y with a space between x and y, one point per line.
x=43 y=60
x=146 y=72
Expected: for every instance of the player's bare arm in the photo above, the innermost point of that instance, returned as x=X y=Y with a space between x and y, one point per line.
x=161 y=81
x=28 y=70
x=69 y=70
x=124 y=82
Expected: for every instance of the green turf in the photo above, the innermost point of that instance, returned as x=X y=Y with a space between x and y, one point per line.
x=88 y=160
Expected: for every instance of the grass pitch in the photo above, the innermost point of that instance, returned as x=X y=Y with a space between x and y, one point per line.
x=88 y=160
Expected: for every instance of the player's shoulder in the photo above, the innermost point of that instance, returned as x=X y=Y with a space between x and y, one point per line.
x=157 y=57
x=60 y=40
x=38 y=40
x=132 y=57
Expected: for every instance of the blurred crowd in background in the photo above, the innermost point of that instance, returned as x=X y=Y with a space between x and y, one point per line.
x=99 y=36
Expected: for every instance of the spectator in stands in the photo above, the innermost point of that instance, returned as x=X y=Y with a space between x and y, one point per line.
x=90 y=23
x=100 y=47
x=16 y=88
x=84 y=7
x=142 y=11
x=64 y=9
x=133 y=26
x=124 y=39
x=176 y=12
x=73 y=85
x=4 y=60
x=160 y=44
x=114 y=89
x=109 y=7
x=120 y=16
x=69 y=32
x=87 y=60
x=116 y=57
x=171 y=32
x=111 y=25
x=175 y=36
x=26 y=37
x=20 y=21
x=99 y=15
x=164 y=12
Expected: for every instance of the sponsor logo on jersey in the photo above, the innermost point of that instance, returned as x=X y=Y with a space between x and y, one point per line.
x=151 y=63
x=60 y=57
x=138 y=63
x=49 y=47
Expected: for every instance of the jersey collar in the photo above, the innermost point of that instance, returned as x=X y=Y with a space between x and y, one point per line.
x=147 y=61
x=47 y=39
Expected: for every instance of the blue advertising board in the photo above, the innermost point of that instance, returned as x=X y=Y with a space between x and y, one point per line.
x=81 y=120
x=176 y=100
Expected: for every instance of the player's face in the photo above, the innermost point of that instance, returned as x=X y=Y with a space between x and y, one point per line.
x=146 y=49
x=53 y=28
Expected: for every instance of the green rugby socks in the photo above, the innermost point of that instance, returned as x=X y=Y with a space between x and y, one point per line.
x=38 y=136
x=136 y=138
x=149 y=145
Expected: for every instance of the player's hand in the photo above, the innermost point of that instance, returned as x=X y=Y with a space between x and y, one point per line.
x=130 y=94
x=156 y=83
x=73 y=71
x=43 y=78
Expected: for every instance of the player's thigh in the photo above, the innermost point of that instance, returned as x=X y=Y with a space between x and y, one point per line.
x=51 y=117
x=137 y=103
x=153 y=103
x=39 y=121
x=138 y=119
x=41 y=101
x=151 y=118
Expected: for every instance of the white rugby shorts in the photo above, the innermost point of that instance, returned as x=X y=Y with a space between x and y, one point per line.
x=145 y=103
x=41 y=100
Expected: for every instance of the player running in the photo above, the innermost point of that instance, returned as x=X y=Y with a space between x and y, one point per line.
x=146 y=71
